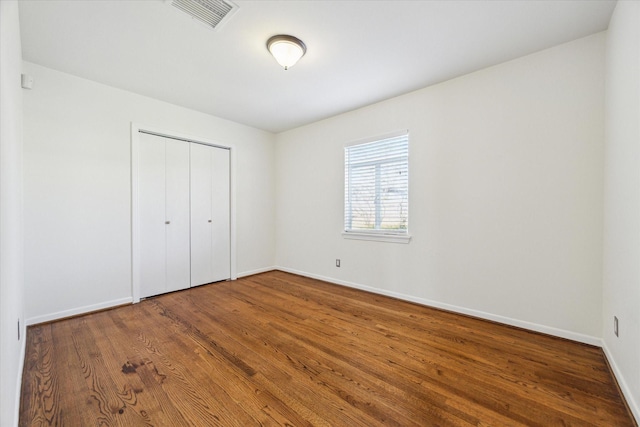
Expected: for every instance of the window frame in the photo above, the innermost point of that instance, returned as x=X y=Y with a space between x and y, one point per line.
x=395 y=236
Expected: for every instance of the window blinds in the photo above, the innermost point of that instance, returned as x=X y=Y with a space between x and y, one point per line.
x=377 y=186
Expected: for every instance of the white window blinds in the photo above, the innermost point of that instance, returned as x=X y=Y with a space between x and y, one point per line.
x=377 y=186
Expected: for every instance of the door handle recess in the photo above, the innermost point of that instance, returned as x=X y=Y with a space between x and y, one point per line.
x=167 y=222
x=209 y=221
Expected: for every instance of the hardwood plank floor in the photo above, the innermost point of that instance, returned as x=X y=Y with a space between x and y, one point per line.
x=277 y=349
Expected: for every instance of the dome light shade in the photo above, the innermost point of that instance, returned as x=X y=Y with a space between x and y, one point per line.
x=287 y=50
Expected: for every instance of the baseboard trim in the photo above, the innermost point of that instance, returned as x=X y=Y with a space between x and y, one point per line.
x=256 y=271
x=574 y=336
x=110 y=304
x=23 y=355
x=78 y=311
x=632 y=403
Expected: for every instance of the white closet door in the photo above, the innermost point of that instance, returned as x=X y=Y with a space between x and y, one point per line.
x=210 y=241
x=177 y=214
x=201 y=194
x=151 y=202
x=220 y=214
x=163 y=180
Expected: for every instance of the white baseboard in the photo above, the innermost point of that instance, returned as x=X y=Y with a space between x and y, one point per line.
x=586 y=339
x=108 y=304
x=626 y=391
x=257 y=271
x=574 y=336
x=77 y=311
x=23 y=355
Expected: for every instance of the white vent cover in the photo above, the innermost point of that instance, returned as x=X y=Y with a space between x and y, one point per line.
x=212 y=13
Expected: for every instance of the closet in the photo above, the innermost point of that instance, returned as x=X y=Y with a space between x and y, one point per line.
x=182 y=201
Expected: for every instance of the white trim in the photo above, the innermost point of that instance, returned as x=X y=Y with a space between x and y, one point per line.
x=574 y=336
x=394 y=134
x=377 y=237
x=23 y=355
x=624 y=387
x=182 y=138
x=256 y=271
x=135 y=214
x=586 y=339
x=78 y=311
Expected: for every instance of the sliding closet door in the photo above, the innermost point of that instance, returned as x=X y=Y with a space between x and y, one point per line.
x=210 y=227
x=163 y=188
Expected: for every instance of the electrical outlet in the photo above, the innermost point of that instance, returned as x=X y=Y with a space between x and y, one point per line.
x=615 y=325
x=337 y=263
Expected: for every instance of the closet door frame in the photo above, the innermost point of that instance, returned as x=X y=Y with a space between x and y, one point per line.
x=136 y=129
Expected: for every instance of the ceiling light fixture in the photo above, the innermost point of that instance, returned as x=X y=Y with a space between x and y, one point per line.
x=286 y=49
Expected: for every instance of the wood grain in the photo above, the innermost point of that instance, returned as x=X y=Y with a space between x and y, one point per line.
x=278 y=349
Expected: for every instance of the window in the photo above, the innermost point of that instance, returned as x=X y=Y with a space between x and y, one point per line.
x=376 y=177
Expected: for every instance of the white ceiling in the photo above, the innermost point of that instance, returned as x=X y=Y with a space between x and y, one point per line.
x=359 y=52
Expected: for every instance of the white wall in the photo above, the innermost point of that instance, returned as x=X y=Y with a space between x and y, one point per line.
x=506 y=187
x=77 y=187
x=11 y=226
x=621 y=288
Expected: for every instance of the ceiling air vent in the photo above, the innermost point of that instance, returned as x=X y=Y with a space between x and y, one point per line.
x=212 y=13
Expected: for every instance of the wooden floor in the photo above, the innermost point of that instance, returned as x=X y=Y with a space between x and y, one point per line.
x=279 y=349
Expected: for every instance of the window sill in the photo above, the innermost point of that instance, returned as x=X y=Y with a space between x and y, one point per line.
x=377 y=237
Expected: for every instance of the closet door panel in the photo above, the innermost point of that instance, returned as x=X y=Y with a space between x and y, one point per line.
x=177 y=214
x=151 y=200
x=201 y=194
x=220 y=211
